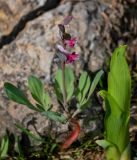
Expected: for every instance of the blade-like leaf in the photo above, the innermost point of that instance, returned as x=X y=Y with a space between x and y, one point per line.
x=54 y=116
x=82 y=81
x=87 y=88
x=117 y=106
x=47 y=100
x=58 y=91
x=69 y=82
x=17 y=95
x=4 y=146
x=117 y=118
x=112 y=151
x=95 y=82
x=104 y=143
x=29 y=133
x=119 y=80
x=37 y=89
x=18 y=147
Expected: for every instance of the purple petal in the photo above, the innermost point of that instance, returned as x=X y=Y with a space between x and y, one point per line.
x=67 y=20
x=72 y=57
x=61 y=49
x=71 y=42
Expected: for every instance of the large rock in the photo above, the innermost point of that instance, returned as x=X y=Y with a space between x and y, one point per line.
x=12 y=10
x=33 y=50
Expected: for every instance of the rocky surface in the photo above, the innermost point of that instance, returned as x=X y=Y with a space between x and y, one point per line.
x=100 y=26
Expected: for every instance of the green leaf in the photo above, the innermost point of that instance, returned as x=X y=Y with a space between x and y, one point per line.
x=29 y=133
x=47 y=100
x=58 y=91
x=119 y=79
x=4 y=146
x=38 y=93
x=17 y=95
x=117 y=118
x=117 y=106
x=82 y=80
x=112 y=150
x=104 y=143
x=18 y=148
x=95 y=82
x=83 y=87
x=114 y=109
x=69 y=83
x=54 y=116
x=86 y=88
x=36 y=87
x=127 y=153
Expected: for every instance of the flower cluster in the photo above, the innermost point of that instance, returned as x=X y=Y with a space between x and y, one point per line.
x=67 y=41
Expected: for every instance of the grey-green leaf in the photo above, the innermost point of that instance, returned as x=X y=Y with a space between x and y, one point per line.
x=4 y=146
x=29 y=133
x=69 y=83
x=38 y=93
x=36 y=87
x=86 y=88
x=82 y=80
x=54 y=116
x=95 y=82
x=17 y=95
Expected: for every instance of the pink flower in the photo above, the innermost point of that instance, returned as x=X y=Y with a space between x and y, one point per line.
x=72 y=57
x=71 y=42
x=69 y=57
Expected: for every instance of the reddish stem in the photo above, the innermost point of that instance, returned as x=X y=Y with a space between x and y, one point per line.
x=73 y=136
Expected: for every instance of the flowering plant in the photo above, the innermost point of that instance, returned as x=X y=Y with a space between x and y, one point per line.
x=63 y=85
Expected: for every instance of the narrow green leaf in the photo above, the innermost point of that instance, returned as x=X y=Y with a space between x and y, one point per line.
x=69 y=83
x=70 y=91
x=18 y=148
x=38 y=93
x=4 y=146
x=37 y=89
x=82 y=80
x=88 y=89
x=58 y=91
x=17 y=95
x=29 y=133
x=47 y=100
x=54 y=116
x=95 y=82
x=81 y=86
x=85 y=89
x=104 y=143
